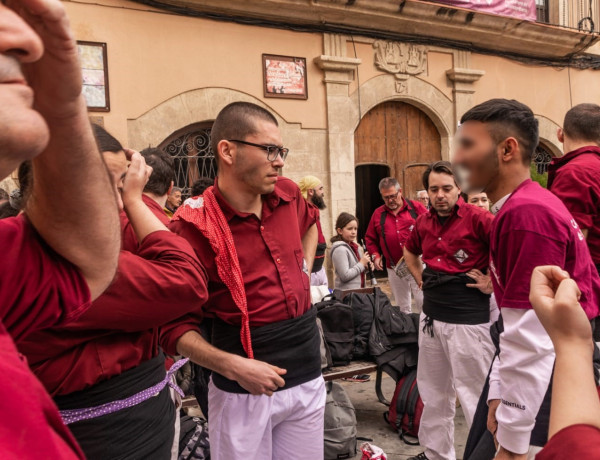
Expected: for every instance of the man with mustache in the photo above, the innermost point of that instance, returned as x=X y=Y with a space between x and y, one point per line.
x=532 y=227
x=455 y=347
x=54 y=261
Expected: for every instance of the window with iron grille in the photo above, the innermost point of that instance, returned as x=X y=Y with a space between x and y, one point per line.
x=191 y=150
x=541 y=7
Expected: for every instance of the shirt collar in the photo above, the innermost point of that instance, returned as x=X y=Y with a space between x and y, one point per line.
x=458 y=209
x=498 y=204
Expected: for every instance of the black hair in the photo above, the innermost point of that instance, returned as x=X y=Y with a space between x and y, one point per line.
x=440 y=167
x=201 y=185
x=106 y=142
x=582 y=123
x=163 y=171
x=508 y=118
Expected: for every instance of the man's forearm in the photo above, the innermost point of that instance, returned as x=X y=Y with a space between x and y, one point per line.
x=72 y=204
x=414 y=265
x=309 y=246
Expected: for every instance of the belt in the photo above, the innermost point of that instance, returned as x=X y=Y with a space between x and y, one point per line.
x=76 y=415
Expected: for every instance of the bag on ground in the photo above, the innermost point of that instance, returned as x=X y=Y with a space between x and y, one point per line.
x=362 y=315
x=340 y=424
x=193 y=439
x=338 y=328
x=406 y=409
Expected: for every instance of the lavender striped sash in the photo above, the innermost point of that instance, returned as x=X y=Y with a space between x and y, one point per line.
x=76 y=415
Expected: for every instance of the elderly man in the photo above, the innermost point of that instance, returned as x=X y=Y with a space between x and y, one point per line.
x=173 y=201
x=423 y=198
x=313 y=191
x=53 y=261
x=389 y=228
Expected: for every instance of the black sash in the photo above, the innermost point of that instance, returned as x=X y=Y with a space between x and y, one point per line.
x=319 y=257
x=447 y=298
x=145 y=430
x=292 y=344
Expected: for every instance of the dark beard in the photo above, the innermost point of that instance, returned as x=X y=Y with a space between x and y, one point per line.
x=318 y=201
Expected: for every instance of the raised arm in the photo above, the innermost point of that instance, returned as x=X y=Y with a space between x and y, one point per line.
x=72 y=204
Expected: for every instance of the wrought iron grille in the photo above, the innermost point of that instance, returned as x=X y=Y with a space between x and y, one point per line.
x=542 y=159
x=193 y=157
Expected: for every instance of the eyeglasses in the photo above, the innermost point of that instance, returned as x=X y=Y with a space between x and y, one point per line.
x=273 y=151
x=390 y=197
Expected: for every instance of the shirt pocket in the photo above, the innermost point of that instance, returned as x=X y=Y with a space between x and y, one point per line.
x=303 y=269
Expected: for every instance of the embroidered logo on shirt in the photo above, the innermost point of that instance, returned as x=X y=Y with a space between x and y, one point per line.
x=461 y=256
x=579 y=232
x=512 y=404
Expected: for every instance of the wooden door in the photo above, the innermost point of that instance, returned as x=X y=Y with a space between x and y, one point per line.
x=398 y=135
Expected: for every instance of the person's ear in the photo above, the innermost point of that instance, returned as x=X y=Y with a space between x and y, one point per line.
x=339 y=231
x=510 y=149
x=225 y=151
x=311 y=191
x=560 y=134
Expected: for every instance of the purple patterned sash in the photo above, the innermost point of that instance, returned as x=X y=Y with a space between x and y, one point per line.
x=76 y=415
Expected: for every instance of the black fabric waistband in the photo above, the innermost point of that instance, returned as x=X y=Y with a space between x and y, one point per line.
x=292 y=344
x=319 y=257
x=121 y=386
x=447 y=298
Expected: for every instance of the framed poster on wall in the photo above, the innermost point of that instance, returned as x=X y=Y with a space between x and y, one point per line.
x=94 y=69
x=284 y=76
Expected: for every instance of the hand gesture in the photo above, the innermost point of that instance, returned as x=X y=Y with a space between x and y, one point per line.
x=136 y=178
x=365 y=259
x=378 y=263
x=555 y=299
x=258 y=377
x=482 y=282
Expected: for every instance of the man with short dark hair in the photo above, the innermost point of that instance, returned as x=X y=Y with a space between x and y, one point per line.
x=62 y=252
x=575 y=177
x=496 y=141
x=388 y=230
x=256 y=236
x=314 y=192
x=173 y=201
x=455 y=347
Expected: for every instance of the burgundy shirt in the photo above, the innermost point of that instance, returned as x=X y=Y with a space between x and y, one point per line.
x=129 y=239
x=39 y=289
x=575 y=441
x=575 y=179
x=159 y=284
x=534 y=228
x=459 y=245
x=397 y=230
x=270 y=256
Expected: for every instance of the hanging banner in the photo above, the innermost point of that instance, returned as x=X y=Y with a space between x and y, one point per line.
x=521 y=9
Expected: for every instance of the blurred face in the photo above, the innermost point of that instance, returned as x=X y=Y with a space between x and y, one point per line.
x=24 y=133
x=392 y=197
x=349 y=232
x=476 y=156
x=423 y=198
x=250 y=167
x=174 y=199
x=443 y=193
x=480 y=200
x=117 y=167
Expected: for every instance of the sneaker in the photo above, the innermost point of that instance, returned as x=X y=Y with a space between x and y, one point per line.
x=421 y=456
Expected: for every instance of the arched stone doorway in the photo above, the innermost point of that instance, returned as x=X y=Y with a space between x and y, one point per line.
x=400 y=137
x=192 y=155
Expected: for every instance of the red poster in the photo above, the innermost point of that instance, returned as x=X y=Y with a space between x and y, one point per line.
x=521 y=9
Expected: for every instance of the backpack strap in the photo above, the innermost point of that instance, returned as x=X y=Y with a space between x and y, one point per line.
x=401 y=402
x=411 y=209
x=412 y=406
x=382 y=225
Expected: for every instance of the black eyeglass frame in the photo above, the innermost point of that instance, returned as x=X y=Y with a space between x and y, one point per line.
x=270 y=149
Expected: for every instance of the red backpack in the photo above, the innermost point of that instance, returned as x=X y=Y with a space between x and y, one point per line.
x=406 y=408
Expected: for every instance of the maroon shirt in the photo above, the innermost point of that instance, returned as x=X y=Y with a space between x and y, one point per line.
x=159 y=284
x=575 y=441
x=129 y=239
x=38 y=289
x=270 y=256
x=397 y=230
x=575 y=179
x=534 y=228
x=459 y=245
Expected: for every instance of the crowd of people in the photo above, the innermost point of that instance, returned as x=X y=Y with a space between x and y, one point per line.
x=105 y=273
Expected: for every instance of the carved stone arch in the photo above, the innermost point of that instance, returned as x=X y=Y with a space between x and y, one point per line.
x=548 y=137
x=417 y=92
x=185 y=109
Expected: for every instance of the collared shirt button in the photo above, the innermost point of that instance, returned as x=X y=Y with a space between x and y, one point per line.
x=262 y=228
x=278 y=260
x=440 y=238
x=439 y=260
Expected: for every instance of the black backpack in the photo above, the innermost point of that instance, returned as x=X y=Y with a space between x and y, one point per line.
x=338 y=328
x=193 y=439
x=362 y=315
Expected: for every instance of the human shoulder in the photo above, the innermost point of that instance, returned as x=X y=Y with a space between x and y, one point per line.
x=287 y=188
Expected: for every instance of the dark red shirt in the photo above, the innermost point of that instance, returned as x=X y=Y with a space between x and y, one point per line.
x=575 y=441
x=159 y=284
x=38 y=289
x=397 y=230
x=459 y=245
x=575 y=179
x=534 y=228
x=129 y=239
x=270 y=256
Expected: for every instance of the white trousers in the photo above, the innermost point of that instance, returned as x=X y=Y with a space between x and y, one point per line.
x=287 y=425
x=402 y=288
x=454 y=362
